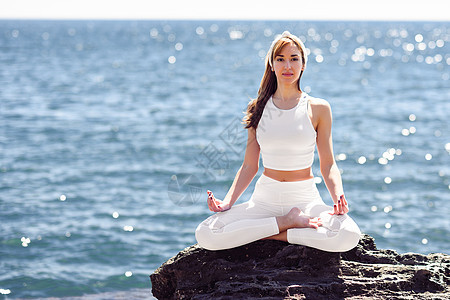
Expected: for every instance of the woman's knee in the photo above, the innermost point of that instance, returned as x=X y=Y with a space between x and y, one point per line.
x=206 y=238
x=202 y=235
x=348 y=239
x=345 y=239
x=348 y=235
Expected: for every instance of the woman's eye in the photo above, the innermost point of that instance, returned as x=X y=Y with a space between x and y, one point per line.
x=279 y=59
x=295 y=59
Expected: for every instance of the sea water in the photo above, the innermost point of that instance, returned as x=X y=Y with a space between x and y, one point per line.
x=112 y=131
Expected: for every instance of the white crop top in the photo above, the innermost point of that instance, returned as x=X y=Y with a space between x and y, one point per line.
x=286 y=137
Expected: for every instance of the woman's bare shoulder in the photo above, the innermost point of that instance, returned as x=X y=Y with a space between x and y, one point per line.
x=320 y=105
x=319 y=102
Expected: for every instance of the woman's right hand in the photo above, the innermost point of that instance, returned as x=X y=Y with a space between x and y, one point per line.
x=216 y=205
x=340 y=208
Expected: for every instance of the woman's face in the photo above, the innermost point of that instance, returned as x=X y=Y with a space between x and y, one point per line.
x=288 y=64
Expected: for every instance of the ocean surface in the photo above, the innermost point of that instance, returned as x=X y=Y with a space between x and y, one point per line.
x=112 y=131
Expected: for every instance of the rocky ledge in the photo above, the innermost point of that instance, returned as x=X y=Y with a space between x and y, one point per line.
x=270 y=269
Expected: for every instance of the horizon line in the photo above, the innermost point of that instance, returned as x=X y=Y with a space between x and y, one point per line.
x=223 y=19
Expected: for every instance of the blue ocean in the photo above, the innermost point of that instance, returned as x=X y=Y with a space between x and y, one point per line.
x=112 y=131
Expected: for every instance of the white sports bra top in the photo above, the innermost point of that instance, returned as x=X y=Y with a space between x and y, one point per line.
x=286 y=137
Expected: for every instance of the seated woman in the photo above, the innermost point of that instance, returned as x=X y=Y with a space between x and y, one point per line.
x=284 y=124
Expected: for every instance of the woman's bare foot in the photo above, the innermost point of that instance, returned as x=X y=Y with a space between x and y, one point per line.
x=294 y=219
x=302 y=221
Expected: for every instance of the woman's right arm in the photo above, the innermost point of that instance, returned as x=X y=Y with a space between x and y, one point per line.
x=244 y=175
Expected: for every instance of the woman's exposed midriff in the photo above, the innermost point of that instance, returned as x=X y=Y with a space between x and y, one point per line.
x=295 y=175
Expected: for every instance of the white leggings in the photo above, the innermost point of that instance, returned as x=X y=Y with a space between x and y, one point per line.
x=255 y=219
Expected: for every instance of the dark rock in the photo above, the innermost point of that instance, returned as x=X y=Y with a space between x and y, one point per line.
x=270 y=269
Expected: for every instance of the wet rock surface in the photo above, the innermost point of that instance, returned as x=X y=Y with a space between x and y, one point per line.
x=270 y=269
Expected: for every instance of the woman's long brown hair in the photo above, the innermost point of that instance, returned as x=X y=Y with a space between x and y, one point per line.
x=269 y=84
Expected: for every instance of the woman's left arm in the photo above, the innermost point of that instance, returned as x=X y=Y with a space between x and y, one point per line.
x=323 y=118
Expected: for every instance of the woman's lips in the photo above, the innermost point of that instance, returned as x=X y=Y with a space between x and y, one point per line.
x=287 y=74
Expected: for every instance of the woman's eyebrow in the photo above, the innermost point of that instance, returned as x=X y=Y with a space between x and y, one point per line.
x=291 y=55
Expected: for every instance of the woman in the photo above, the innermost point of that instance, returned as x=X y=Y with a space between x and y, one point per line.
x=284 y=125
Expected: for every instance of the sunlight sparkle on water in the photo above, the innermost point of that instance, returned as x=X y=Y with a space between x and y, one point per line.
x=382 y=161
x=418 y=38
x=171 y=37
x=25 y=241
x=115 y=215
x=385 y=52
x=154 y=32
x=268 y=32
x=341 y=156
x=367 y=65
x=389 y=154
x=421 y=46
x=438 y=58
x=128 y=228
x=362 y=160
x=408 y=47
x=405 y=132
x=262 y=53
x=424 y=241
x=214 y=28
x=387 y=180
x=236 y=34
x=199 y=30
x=178 y=46
x=5 y=291
x=128 y=274
x=429 y=60
x=62 y=197
x=374 y=208
x=387 y=209
x=172 y=59
x=387 y=225
x=428 y=156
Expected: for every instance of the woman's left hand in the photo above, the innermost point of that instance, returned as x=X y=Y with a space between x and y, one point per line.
x=215 y=204
x=341 y=207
